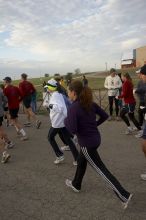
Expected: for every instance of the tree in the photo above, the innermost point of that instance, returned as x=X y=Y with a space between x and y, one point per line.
x=77 y=71
x=68 y=78
x=46 y=75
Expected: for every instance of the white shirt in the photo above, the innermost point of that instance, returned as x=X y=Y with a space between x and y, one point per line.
x=59 y=111
x=113 y=84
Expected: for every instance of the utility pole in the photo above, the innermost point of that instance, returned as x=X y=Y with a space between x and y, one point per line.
x=106 y=66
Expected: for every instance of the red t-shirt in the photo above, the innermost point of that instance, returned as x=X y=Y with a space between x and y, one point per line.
x=13 y=95
x=127 y=92
x=26 y=88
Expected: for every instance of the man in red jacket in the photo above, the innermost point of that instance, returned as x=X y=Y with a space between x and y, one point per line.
x=27 y=89
x=14 y=97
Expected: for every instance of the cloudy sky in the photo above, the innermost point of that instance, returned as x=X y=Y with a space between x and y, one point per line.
x=49 y=36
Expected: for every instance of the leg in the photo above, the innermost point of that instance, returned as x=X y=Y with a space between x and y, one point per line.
x=123 y=116
x=110 y=98
x=69 y=142
x=62 y=138
x=143 y=176
x=116 y=106
x=80 y=171
x=140 y=116
x=51 y=138
x=133 y=119
x=95 y=161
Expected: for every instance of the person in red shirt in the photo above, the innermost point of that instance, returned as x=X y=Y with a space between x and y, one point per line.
x=129 y=103
x=27 y=90
x=14 y=97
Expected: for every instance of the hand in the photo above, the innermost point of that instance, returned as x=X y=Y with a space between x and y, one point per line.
x=50 y=106
x=116 y=97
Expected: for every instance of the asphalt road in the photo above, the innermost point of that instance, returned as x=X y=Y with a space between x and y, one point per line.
x=32 y=187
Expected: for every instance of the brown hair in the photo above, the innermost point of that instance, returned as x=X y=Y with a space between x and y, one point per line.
x=84 y=94
x=127 y=76
x=24 y=76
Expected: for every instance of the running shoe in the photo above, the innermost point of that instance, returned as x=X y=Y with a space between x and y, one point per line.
x=9 y=145
x=125 y=204
x=128 y=131
x=139 y=134
x=5 y=157
x=143 y=176
x=65 y=148
x=69 y=184
x=38 y=124
x=75 y=163
x=59 y=159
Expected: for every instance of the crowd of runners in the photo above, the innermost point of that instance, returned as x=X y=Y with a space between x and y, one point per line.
x=73 y=117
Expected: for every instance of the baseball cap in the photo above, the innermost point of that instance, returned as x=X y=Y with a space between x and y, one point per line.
x=143 y=69
x=51 y=85
x=7 y=79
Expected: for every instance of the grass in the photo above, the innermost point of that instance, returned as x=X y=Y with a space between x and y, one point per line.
x=95 y=83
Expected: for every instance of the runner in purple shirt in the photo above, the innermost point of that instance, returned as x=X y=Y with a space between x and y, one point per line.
x=82 y=121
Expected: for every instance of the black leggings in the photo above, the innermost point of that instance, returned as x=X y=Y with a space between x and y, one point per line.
x=131 y=116
x=66 y=138
x=91 y=155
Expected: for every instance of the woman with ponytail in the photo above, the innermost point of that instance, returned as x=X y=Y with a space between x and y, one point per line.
x=129 y=104
x=81 y=120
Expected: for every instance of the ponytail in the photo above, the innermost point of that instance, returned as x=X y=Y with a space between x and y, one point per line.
x=84 y=94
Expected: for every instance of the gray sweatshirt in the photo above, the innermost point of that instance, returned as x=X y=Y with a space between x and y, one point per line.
x=3 y=102
x=141 y=92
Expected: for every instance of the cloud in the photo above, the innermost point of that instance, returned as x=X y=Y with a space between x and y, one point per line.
x=71 y=34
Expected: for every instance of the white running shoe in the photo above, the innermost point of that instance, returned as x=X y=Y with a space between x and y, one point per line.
x=128 y=131
x=59 y=159
x=125 y=204
x=65 y=148
x=69 y=184
x=5 y=157
x=143 y=176
x=134 y=128
x=139 y=134
x=9 y=145
x=75 y=163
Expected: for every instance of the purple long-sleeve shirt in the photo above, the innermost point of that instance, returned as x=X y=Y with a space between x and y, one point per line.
x=84 y=124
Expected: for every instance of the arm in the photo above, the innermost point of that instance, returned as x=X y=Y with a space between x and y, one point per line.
x=4 y=100
x=124 y=91
x=103 y=116
x=119 y=83
x=71 y=120
x=21 y=90
x=106 y=83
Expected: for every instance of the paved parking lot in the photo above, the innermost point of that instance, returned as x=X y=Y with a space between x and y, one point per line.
x=32 y=187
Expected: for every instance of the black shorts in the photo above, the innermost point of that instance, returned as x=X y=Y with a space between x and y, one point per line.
x=1 y=121
x=14 y=113
x=27 y=101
